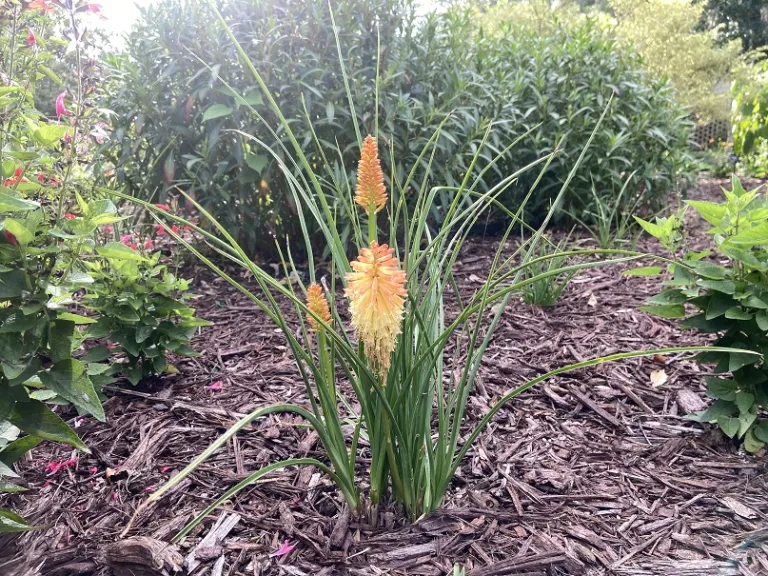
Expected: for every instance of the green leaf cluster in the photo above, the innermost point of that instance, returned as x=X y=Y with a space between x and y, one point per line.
x=727 y=287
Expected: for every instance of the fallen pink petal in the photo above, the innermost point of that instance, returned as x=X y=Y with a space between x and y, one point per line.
x=93 y=470
x=285 y=548
x=215 y=386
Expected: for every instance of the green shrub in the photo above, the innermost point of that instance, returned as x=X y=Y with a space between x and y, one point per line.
x=731 y=300
x=665 y=33
x=49 y=255
x=750 y=107
x=142 y=307
x=179 y=123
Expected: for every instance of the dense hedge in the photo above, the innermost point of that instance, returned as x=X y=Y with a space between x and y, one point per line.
x=173 y=115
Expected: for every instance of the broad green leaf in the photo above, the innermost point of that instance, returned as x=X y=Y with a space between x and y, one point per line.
x=6 y=470
x=48 y=134
x=216 y=111
x=745 y=422
x=718 y=304
x=752 y=237
x=710 y=211
x=61 y=339
x=97 y=354
x=253 y=98
x=718 y=409
x=721 y=388
x=724 y=286
x=11 y=522
x=751 y=443
x=737 y=313
x=729 y=425
x=668 y=297
x=76 y=318
x=23 y=235
x=653 y=229
x=7 y=487
x=16 y=449
x=762 y=320
x=12 y=284
x=761 y=431
x=34 y=417
x=119 y=251
x=709 y=270
x=10 y=203
x=644 y=271
x=744 y=401
x=740 y=359
x=68 y=379
x=256 y=162
x=666 y=311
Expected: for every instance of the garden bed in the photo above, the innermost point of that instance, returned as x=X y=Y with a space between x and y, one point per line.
x=594 y=472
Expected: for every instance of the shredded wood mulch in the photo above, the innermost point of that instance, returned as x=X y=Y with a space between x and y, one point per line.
x=595 y=472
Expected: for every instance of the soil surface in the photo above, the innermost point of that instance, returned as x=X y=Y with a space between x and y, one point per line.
x=594 y=472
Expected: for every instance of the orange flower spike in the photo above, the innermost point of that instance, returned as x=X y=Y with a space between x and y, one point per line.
x=371 y=193
x=317 y=303
x=376 y=290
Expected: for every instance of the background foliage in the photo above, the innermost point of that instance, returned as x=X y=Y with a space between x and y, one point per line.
x=665 y=33
x=178 y=121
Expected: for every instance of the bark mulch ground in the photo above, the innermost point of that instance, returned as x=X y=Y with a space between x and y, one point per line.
x=595 y=472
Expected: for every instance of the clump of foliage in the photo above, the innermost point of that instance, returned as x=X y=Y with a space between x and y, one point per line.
x=401 y=392
x=143 y=307
x=745 y=20
x=665 y=33
x=730 y=295
x=547 y=282
x=750 y=107
x=52 y=246
x=188 y=114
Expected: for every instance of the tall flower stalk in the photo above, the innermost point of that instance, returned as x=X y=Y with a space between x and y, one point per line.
x=408 y=400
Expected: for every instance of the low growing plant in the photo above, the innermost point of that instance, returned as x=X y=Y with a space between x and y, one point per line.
x=546 y=289
x=728 y=288
x=143 y=307
x=412 y=397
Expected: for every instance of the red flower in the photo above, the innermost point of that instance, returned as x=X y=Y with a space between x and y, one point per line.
x=31 y=40
x=41 y=178
x=108 y=229
x=159 y=230
x=148 y=245
x=69 y=216
x=18 y=172
x=95 y=8
x=60 y=108
x=41 y=5
x=163 y=207
x=10 y=238
x=53 y=182
x=175 y=229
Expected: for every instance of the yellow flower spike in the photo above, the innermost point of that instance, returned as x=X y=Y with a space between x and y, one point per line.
x=376 y=290
x=371 y=193
x=318 y=304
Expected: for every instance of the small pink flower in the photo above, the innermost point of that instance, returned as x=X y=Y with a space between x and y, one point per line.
x=164 y=469
x=215 y=386
x=60 y=108
x=93 y=470
x=115 y=497
x=10 y=238
x=126 y=239
x=95 y=8
x=69 y=216
x=41 y=5
x=100 y=133
x=108 y=229
x=41 y=178
x=148 y=245
x=159 y=229
x=31 y=40
x=175 y=229
x=285 y=548
x=163 y=207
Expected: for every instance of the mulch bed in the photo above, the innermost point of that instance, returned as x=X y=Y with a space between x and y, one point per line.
x=595 y=472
